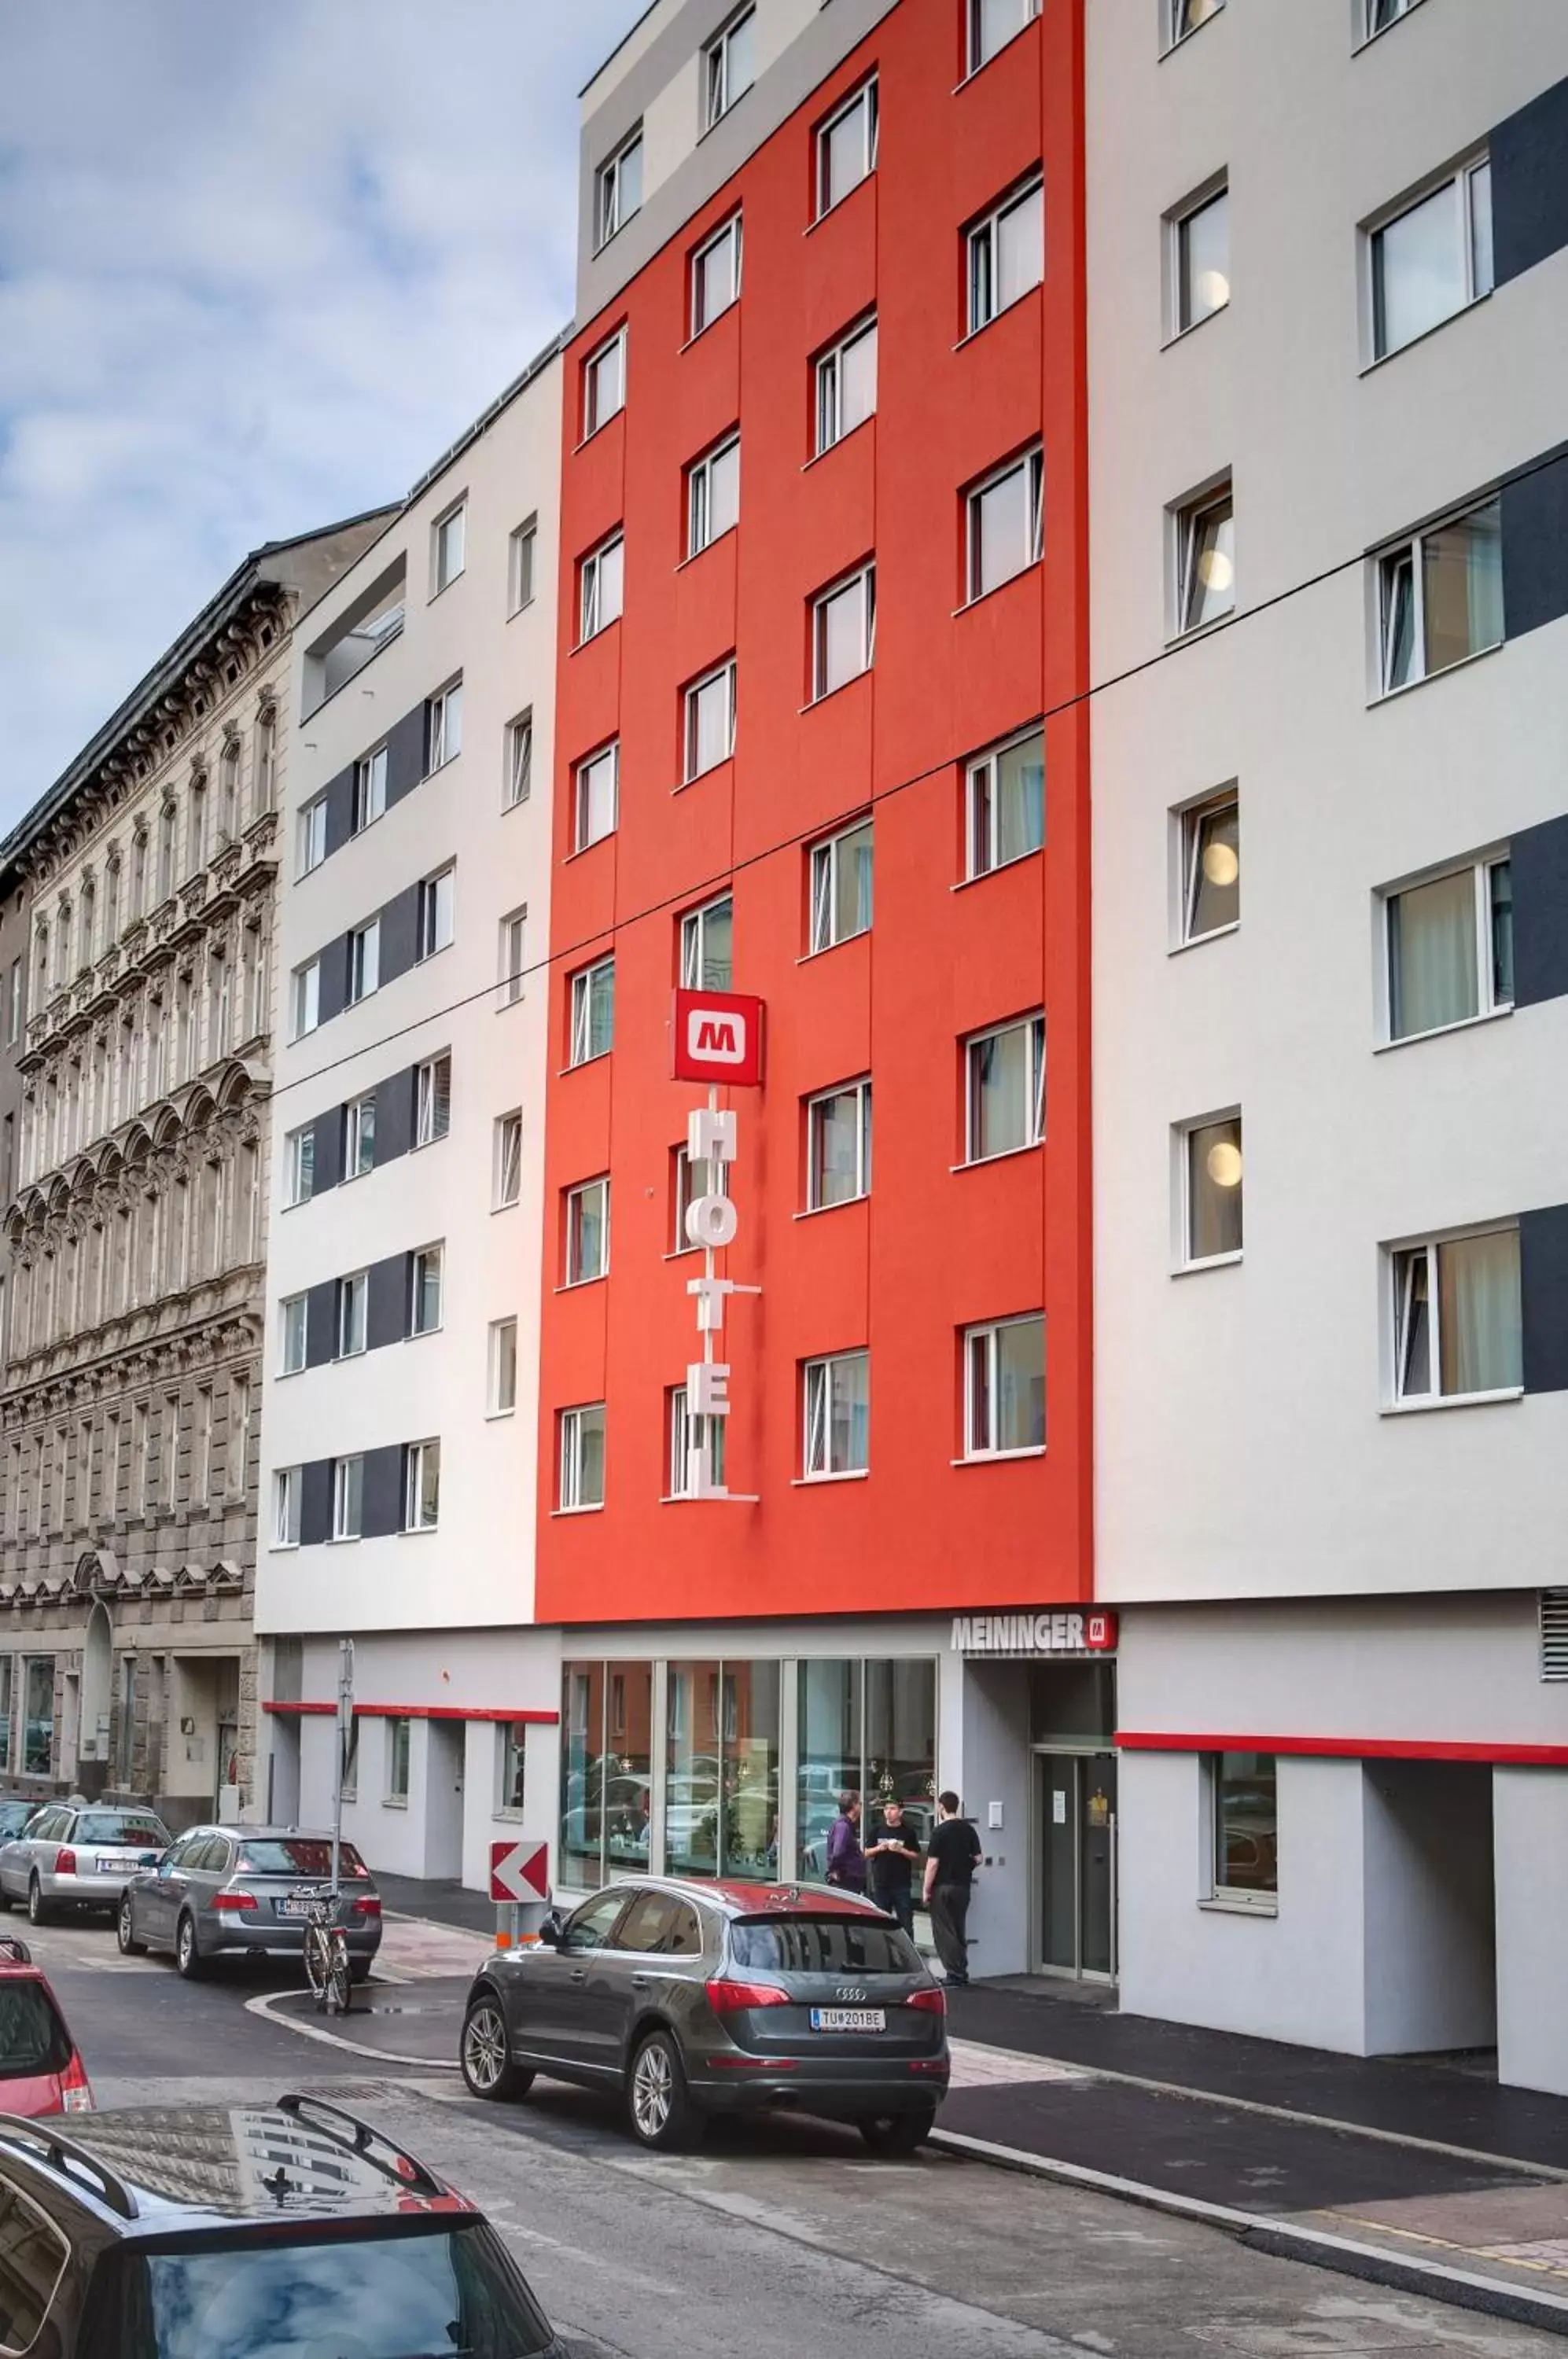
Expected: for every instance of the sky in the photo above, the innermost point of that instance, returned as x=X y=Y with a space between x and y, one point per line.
x=259 y=268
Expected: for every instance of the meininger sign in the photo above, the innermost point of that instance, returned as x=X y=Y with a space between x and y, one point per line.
x=1076 y=1631
x=717 y=1039
x=717 y=1036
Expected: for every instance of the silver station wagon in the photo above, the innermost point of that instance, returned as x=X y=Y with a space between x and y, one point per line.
x=75 y=1856
x=245 y=1891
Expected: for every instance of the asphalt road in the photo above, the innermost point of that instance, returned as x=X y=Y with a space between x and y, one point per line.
x=771 y=2240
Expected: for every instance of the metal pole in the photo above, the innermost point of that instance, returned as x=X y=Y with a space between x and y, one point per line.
x=344 y=1730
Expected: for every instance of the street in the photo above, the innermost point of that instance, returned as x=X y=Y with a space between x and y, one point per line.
x=767 y=2239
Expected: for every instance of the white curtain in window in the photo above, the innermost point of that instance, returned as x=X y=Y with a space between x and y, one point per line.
x=1478 y=1312
x=1432 y=954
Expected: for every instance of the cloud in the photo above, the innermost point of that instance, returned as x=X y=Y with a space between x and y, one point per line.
x=257 y=269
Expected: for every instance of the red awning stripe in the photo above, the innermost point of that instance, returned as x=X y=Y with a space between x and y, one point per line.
x=1346 y=1748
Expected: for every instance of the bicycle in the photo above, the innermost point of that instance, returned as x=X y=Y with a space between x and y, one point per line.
x=326 y=1954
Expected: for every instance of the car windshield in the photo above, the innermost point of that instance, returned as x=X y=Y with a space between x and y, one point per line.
x=298 y=1855
x=409 y=2295
x=822 y=1945
x=122 y=1827
x=33 y=2039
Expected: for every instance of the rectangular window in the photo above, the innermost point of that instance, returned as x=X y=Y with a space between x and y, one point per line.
x=352 y=1296
x=421 y=1486
x=1006 y=254
x=433 y=1100
x=312 y=838
x=846 y=385
x=519 y=760
x=597 y=798
x=838 y=1145
x=710 y=720
x=521 y=549
x=363 y=960
x=1246 y=1864
x=306 y=997
x=291 y=1316
x=838 y=1415
x=13 y=1002
x=425 y=1291
x=846 y=147
x=605 y=382
x=1211 y=866
x=512 y=1737
x=239 y=1455
x=707 y=946
x=729 y=66
x=1005 y=1083
x=398 y=1739
x=370 y=788
x=1212 y=1177
x=1450 y=948
x=1432 y=258
x=1005 y=817
x=715 y=275
x=600 y=578
x=840 y=886
x=448 y=536
x=1004 y=1388
x=993 y=24
x=1007 y=523
x=359 y=1137
x=1457 y=1328
x=618 y=188
x=843 y=631
x=286 y=1507
x=1186 y=16
x=1205 y=561
x=508 y=1156
x=691 y=1181
x=587 y=1232
x=435 y=913
x=691 y=1436
x=201 y=1448
x=1200 y=256
x=513 y=957
x=713 y=494
x=503 y=1387
x=583 y=1457
x=444 y=728
x=348 y=1498
x=299 y=1165
x=1441 y=596
x=592 y=1011
x=1381 y=14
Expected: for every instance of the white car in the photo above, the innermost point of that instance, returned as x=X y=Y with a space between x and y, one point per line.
x=76 y=1856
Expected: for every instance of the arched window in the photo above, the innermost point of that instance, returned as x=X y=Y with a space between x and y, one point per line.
x=229 y=791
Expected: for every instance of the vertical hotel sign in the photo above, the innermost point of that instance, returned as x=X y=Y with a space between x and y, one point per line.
x=717 y=1040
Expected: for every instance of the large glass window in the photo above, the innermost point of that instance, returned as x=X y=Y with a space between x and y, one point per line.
x=1457 y=1320
x=606 y=1779
x=1247 y=1856
x=1451 y=949
x=867 y=1727
x=38 y=1716
x=691 y=1768
x=1432 y=259
x=722 y=1750
x=1441 y=596
x=583 y=1772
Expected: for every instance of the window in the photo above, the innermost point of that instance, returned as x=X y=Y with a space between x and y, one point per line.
x=14 y=1003
x=598 y=795
x=844 y=632
x=729 y=66
x=692 y=1179
x=1200 y=240
x=397 y=1736
x=838 y=1414
x=993 y=24
x=292 y=1320
x=587 y=1232
x=1431 y=259
x=503 y=1386
x=1004 y=1388
x=619 y=189
x=1245 y=1866
x=519 y=760
x=707 y=946
x=846 y=385
x=1211 y=866
x=444 y=728
x=710 y=720
x=307 y=996
x=1456 y=1319
x=348 y=1498
x=592 y=1011
x=1005 y=1082
x=1006 y=803
x=1441 y=596
x=363 y=960
x=583 y=1457
x=838 y=1145
x=448 y=535
x=1006 y=254
x=425 y=1291
x=359 y=1137
x=604 y=383
x=286 y=1507
x=846 y=147
x=1211 y=1173
x=601 y=577
x=370 y=788
x=1186 y=16
x=1205 y=561
x=512 y=1737
x=508 y=1177
x=1005 y=523
x=520 y=552
x=421 y=1486
x=352 y=1296
x=238 y=1468
x=715 y=275
x=1381 y=14
x=513 y=968
x=691 y=1437
x=312 y=835
x=434 y=914
x=433 y=1100
x=299 y=1165
x=840 y=886
x=1450 y=948
x=200 y=1454
x=229 y=791
x=713 y=494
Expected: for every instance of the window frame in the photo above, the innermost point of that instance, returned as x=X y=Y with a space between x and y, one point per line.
x=866 y=96
x=863 y=579
x=1371 y=31
x=821 y=1370
x=973 y=1043
x=305 y=998
x=1031 y=464
x=975 y=63
x=288 y=1327
x=609 y=218
x=691 y=722
x=295 y=1191
x=1245 y=1900
x=356 y=1136
x=430 y=901
x=1186 y=1134
x=975 y=769
x=577 y=1196
x=351 y=1315
x=345 y=1481
x=860 y=1090
x=398 y=1759
x=718 y=98
x=512 y=956
x=310 y=825
x=1399 y=1266
x=501 y=1133
x=1178 y=221
x=363 y=960
x=1460 y=179
x=419 y=1457
x=1481 y=867
x=522 y=550
x=568 y=1477
x=591 y=619
x=286 y=1490
x=699 y=318
x=1387 y=562
x=422 y=1262
x=699 y=494
x=828 y=381
x=520 y=772
x=443 y=720
x=498 y=1330
x=595 y=416
x=369 y=790
x=986 y=1333
x=1190 y=820
x=581 y=1012
x=1188 y=518
x=426 y=1099
x=1176 y=32
x=691 y=949
x=677 y=1425
x=582 y=796
x=980 y=240
x=455 y=512
x=823 y=860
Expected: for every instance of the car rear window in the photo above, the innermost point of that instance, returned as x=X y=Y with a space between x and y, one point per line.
x=452 y=2295
x=115 y=1827
x=822 y=1945
x=33 y=2039
x=297 y=1855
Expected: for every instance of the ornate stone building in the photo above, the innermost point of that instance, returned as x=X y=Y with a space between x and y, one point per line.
x=134 y=1221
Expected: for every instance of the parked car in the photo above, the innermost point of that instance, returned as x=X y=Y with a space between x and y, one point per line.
x=196 y=2232
x=41 y=2070
x=245 y=1892
x=16 y=1812
x=691 y=1998
x=77 y=1856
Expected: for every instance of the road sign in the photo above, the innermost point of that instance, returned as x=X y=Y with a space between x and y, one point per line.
x=718 y=1037
x=519 y=1871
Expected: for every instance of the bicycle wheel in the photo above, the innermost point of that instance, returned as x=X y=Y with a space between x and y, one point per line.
x=317 y=1964
x=339 y=1985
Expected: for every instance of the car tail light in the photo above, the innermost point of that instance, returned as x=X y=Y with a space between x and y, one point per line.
x=932 y=2001
x=75 y=2093
x=368 y=1906
x=65 y=1861
x=235 y=1900
x=730 y=1998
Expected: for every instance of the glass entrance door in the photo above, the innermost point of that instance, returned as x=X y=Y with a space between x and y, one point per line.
x=1076 y=1815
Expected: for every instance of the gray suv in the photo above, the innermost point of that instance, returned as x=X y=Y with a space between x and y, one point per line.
x=691 y=1998
x=245 y=1891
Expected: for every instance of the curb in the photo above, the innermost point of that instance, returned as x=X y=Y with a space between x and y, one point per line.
x=1461 y=2288
x=263 y=2005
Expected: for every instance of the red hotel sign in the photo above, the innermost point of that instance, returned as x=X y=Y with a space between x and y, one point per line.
x=718 y=1037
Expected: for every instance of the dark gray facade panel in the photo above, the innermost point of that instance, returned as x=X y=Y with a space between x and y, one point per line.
x=404 y=756
x=1535 y=544
x=327 y=1150
x=321 y=1324
x=387 y=1316
x=399 y=933
x=382 y=1497
x=1539 y=860
x=315 y=1502
x=332 y=989
x=1544 y=1290
x=394 y=1116
x=340 y=810
x=1530 y=184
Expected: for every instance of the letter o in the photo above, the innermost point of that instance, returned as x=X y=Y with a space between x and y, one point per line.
x=711 y=1221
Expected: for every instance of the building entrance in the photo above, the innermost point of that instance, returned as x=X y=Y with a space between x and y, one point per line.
x=1075 y=1852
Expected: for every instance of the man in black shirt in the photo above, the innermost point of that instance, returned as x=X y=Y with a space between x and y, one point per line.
x=889 y=1859
x=951 y=1863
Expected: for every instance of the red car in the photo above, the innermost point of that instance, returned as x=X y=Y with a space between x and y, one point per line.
x=41 y=2070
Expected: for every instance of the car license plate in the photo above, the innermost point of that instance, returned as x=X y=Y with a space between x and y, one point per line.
x=849 y=2019
x=294 y=1907
x=113 y=1864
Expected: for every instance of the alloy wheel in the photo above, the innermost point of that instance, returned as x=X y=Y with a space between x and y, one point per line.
x=484 y=2048
x=653 y=2090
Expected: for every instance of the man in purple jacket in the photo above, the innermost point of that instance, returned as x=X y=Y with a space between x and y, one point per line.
x=846 y=1861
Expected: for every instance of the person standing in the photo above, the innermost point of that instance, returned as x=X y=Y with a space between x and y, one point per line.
x=951 y=1863
x=846 y=1861
x=889 y=1863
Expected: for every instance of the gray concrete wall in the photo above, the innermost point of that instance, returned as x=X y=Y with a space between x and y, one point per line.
x=1430 y=1959
x=1530 y=1810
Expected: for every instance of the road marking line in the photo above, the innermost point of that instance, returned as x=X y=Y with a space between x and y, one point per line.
x=262 y=2005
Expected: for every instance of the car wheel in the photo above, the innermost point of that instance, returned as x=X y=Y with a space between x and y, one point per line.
x=37 y=1906
x=659 y=2103
x=485 y=2055
x=189 y=1964
x=124 y=1932
x=6 y=1903
x=359 y=1970
x=898 y=2133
